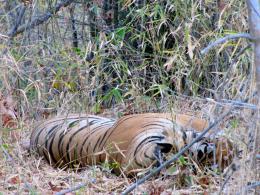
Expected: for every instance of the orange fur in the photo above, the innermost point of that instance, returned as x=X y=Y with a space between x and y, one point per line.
x=133 y=141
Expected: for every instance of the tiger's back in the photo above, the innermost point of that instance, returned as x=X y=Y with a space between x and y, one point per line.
x=134 y=141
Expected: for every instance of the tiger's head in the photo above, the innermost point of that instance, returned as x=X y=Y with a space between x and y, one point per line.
x=212 y=151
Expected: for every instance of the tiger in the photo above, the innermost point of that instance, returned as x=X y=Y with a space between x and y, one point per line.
x=133 y=142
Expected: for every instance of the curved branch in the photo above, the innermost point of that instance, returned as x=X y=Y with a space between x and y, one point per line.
x=43 y=18
x=224 y=39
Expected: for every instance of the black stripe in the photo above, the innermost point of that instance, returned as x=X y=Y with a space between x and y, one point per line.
x=40 y=131
x=153 y=138
x=73 y=123
x=46 y=156
x=93 y=131
x=160 y=122
x=82 y=146
x=50 y=146
x=105 y=137
x=136 y=162
x=36 y=140
x=74 y=134
x=60 y=142
x=48 y=136
x=99 y=141
x=122 y=120
x=155 y=125
x=94 y=149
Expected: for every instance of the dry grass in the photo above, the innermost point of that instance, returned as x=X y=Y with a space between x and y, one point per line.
x=143 y=62
x=24 y=173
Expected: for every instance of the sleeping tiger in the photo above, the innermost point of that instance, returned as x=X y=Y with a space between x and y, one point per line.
x=134 y=142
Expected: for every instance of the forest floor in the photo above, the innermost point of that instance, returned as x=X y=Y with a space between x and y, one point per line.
x=22 y=173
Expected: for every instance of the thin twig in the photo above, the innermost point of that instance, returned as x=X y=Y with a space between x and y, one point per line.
x=224 y=39
x=176 y=156
x=77 y=187
x=43 y=18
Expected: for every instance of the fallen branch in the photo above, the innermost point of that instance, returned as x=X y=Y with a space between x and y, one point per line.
x=43 y=18
x=175 y=157
x=224 y=39
x=77 y=187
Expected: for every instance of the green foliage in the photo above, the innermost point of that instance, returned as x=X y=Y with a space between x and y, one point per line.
x=234 y=123
x=150 y=49
x=172 y=169
x=182 y=161
x=32 y=191
x=5 y=146
x=113 y=94
x=110 y=165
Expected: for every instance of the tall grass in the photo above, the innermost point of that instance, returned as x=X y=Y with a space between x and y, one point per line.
x=145 y=49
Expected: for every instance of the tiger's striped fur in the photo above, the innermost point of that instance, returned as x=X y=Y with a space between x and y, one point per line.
x=134 y=141
x=61 y=140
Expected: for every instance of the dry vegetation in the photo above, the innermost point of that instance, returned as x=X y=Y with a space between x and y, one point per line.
x=23 y=173
x=119 y=58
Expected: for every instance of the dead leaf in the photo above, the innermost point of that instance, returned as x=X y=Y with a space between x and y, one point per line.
x=221 y=5
x=14 y=180
x=55 y=188
x=8 y=111
x=204 y=181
